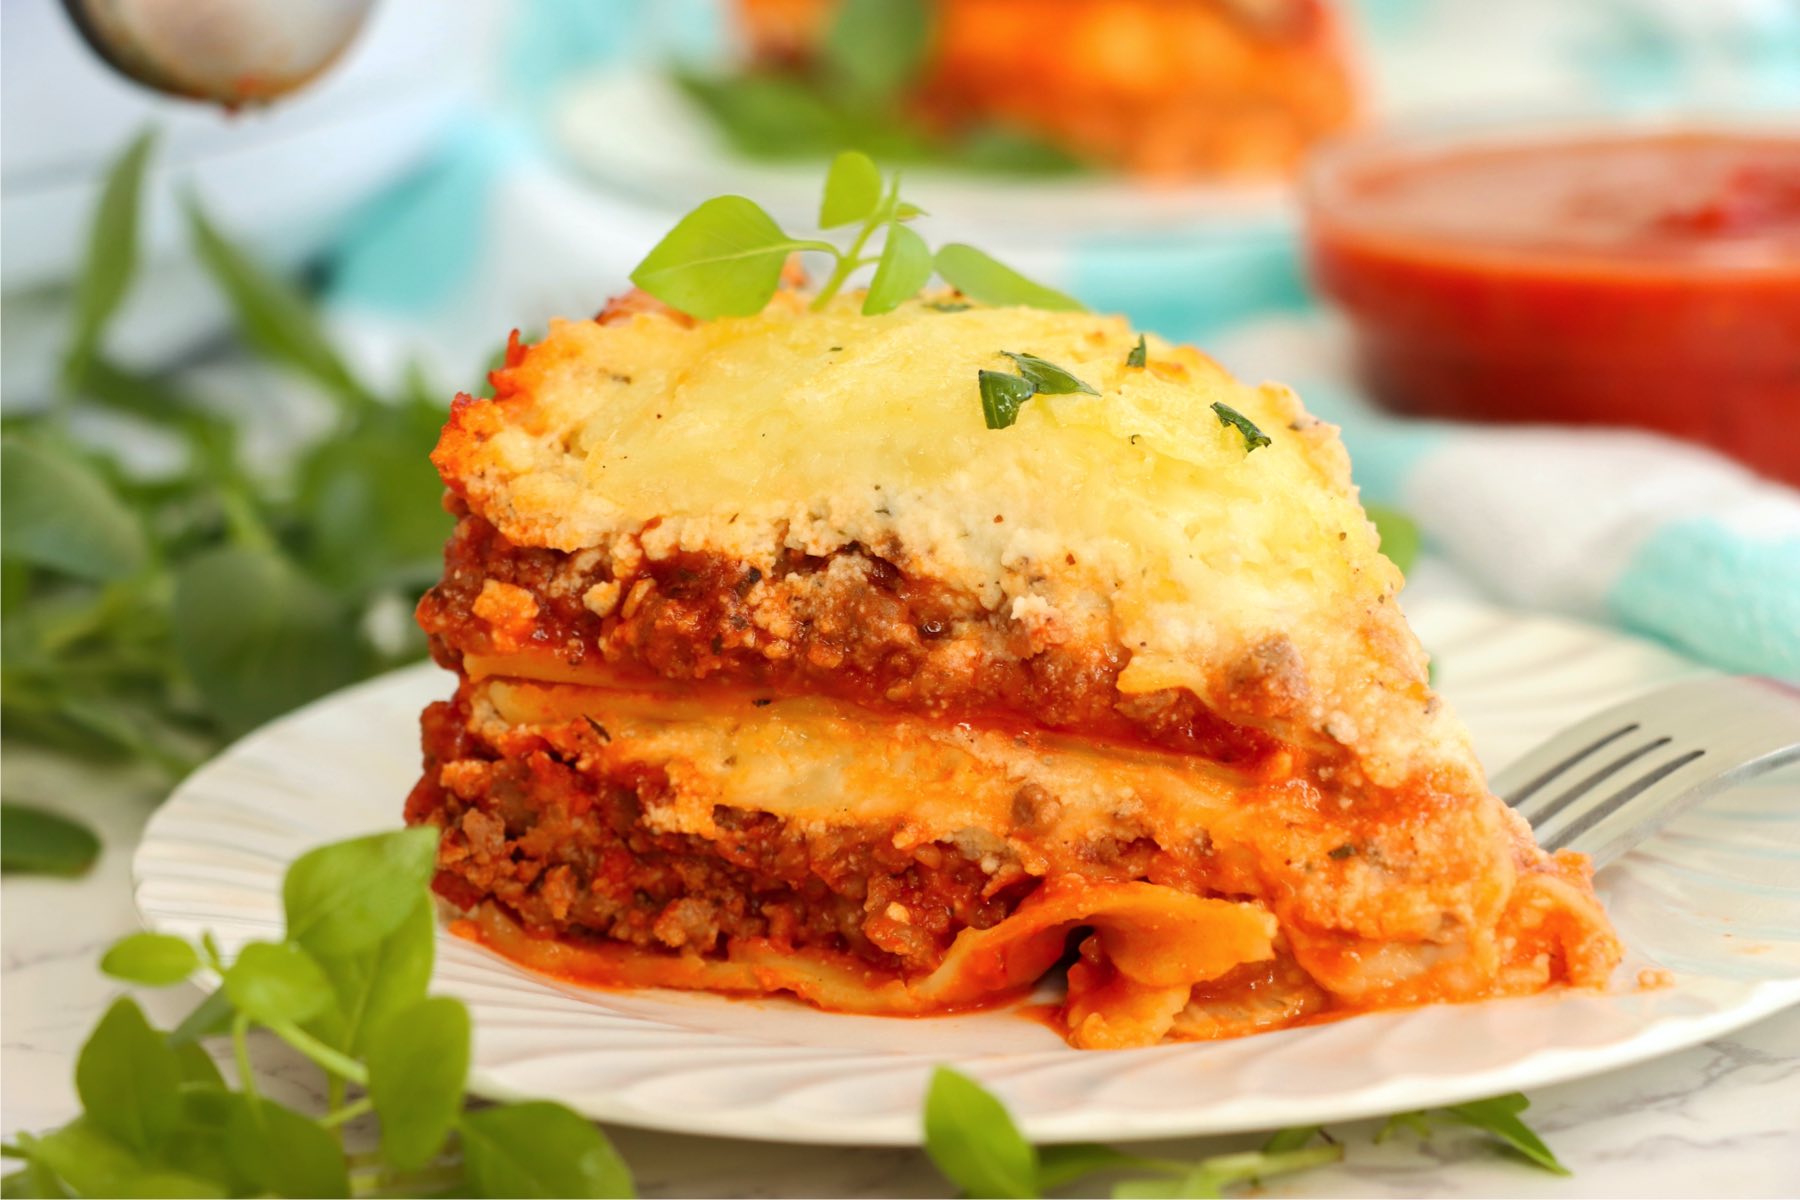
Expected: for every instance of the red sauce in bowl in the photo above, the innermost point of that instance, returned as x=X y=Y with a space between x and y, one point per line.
x=1625 y=278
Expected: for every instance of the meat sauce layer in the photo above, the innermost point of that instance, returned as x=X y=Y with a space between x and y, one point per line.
x=568 y=852
x=851 y=626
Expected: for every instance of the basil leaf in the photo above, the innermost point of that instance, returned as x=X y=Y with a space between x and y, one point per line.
x=1002 y=396
x=769 y=116
x=112 y=249
x=152 y=959
x=36 y=841
x=208 y=1018
x=1400 y=538
x=196 y=1065
x=417 y=1069
x=972 y=1139
x=276 y=983
x=874 y=48
x=989 y=281
x=724 y=259
x=904 y=268
x=349 y=895
x=200 y=1140
x=1500 y=1117
x=257 y=637
x=1047 y=377
x=907 y=211
x=90 y=1160
x=1059 y=1166
x=271 y=314
x=282 y=1152
x=372 y=500
x=126 y=1076
x=1231 y=417
x=1140 y=354
x=1290 y=1139
x=36 y=1180
x=540 y=1149
x=852 y=190
x=1175 y=1187
x=57 y=512
x=375 y=983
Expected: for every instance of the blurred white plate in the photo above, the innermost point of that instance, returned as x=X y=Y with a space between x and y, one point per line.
x=1715 y=900
x=631 y=129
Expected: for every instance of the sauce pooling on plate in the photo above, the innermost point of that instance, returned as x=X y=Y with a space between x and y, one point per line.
x=1629 y=278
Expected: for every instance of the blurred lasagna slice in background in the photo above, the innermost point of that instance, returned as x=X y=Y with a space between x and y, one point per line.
x=1172 y=88
x=780 y=671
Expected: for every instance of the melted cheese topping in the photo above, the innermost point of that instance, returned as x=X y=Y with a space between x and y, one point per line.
x=1134 y=515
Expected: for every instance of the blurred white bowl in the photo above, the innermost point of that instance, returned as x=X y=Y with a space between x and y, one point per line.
x=281 y=180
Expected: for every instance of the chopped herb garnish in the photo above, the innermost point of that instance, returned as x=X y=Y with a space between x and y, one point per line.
x=1343 y=851
x=1002 y=396
x=725 y=258
x=1047 y=377
x=1253 y=437
x=948 y=305
x=599 y=729
x=1140 y=354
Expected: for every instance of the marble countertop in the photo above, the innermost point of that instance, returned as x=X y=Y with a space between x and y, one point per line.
x=1721 y=1119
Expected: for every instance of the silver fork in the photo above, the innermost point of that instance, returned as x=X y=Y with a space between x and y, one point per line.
x=1609 y=782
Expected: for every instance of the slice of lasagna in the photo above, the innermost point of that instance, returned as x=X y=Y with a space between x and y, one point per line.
x=781 y=671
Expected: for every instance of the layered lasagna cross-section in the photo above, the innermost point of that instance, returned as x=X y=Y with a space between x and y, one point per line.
x=780 y=671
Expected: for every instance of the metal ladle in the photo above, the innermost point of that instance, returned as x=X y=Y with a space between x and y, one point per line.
x=230 y=52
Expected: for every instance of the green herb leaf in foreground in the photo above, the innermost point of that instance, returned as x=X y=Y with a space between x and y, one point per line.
x=126 y=1076
x=112 y=250
x=282 y=1152
x=724 y=259
x=1498 y=1116
x=277 y=984
x=986 y=279
x=1047 y=377
x=904 y=268
x=539 y=1149
x=416 y=1074
x=36 y=841
x=971 y=1138
x=151 y=959
x=852 y=190
x=1399 y=535
x=350 y=895
x=1002 y=396
x=1254 y=438
x=56 y=512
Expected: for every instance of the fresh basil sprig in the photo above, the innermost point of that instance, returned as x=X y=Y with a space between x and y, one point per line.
x=346 y=987
x=724 y=259
x=974 y=1142
x=1498 y=1116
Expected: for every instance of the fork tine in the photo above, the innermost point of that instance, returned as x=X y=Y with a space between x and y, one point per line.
x=1659 y=753
x=1541 y=806
x=1558 y=756
x=1644 y=804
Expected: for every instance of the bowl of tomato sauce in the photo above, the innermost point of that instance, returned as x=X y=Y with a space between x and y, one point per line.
x=1632 y=276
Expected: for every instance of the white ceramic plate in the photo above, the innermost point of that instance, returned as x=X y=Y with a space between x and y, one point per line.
x=631 y=129
x=1715 y=900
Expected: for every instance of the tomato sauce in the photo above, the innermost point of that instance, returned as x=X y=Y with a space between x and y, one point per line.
x=1649 y=279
